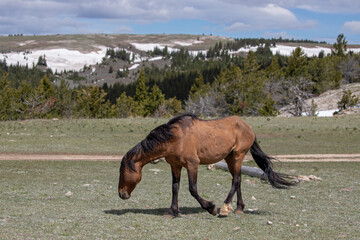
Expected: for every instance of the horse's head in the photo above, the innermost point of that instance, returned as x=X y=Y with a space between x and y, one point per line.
x=130 y=176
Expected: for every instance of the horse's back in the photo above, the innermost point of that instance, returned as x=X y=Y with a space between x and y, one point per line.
x=212 y=140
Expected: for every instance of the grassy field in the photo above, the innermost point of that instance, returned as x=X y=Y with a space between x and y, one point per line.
x=305 y=135
x=34 y=203
x=79 y=200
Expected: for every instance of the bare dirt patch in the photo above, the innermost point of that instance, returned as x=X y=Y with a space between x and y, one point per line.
x=59 y=157
x=99 y=157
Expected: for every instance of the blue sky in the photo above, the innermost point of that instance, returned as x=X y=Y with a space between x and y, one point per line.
x=320 y=20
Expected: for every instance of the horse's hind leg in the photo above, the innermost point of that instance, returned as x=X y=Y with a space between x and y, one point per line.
x=234 y=161
x=192 y=169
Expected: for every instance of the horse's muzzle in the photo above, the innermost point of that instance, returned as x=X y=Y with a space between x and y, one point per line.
x=124 y=195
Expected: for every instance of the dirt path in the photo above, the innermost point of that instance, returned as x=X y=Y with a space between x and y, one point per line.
x=99 y=157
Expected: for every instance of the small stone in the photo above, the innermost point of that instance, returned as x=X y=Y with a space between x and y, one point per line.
x=236 y=228
x=86 y=185
x=292 y=197
x=55 y=183
x=211 y=167
x=68 y=194
x=253 y=198
x=269 y=223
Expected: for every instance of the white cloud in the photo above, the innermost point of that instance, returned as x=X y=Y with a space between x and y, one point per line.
x=269 y=17
x=237 y=27
x=47 y=16
x=352 y=27
x=123 y=30
x=325 y=6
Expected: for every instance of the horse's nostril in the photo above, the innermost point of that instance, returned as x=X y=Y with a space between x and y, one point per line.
x=124 y=195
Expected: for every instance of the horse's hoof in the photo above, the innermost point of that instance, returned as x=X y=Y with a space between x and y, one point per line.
x=222 y=214
x=238 y=212
x=214 y=211
x=225 y=210
x=171 y=214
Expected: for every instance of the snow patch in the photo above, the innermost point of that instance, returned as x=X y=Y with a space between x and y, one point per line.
x=57 y=59
x=150 y=46
x=186 y=44
x=156 y=58
x=310 y=52
x=325 y=113
x=134 y=66
x=26 y=42
x=287 y=50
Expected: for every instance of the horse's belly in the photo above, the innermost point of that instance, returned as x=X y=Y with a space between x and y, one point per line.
x=210 y=156
x=214 y=147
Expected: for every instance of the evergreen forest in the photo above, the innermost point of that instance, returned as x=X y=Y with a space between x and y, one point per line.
x=215 y=83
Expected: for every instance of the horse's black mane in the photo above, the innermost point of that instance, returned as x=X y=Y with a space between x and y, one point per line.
x=157 y=136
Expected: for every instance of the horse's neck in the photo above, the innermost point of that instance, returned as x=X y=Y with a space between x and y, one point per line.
x=149 y=157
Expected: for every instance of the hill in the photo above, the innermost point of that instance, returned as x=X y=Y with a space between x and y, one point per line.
x=87 y=54
x=327 y=102
x=100 y=76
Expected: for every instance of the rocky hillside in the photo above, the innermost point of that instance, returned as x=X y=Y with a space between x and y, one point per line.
x=327 y=102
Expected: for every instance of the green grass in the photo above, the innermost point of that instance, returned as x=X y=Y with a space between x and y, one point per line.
x=305 y=135
x=33 y=204
x=74 y=136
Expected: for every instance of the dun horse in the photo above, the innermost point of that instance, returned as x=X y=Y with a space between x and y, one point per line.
x=187 y=141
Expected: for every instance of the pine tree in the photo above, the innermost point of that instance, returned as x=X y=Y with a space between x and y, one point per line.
x=141 y=93
x=296 y=63
x=340 y=47
x=125 y=106
x=64 y=103
x=273 y=71
x=25 y=103
x=268 y=107
x=348 y=100
x=6 y=99
x=199 y=88
x=156 y=98
x=90 y=102
x=45 y=88
x=42 y=61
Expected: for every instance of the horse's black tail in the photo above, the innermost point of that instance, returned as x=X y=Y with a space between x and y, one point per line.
x=277 y=180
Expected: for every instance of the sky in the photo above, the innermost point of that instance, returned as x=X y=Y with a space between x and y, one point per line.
x=319 y=20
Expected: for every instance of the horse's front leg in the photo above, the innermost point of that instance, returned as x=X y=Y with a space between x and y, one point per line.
x=174 y=208
x=192 y=175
